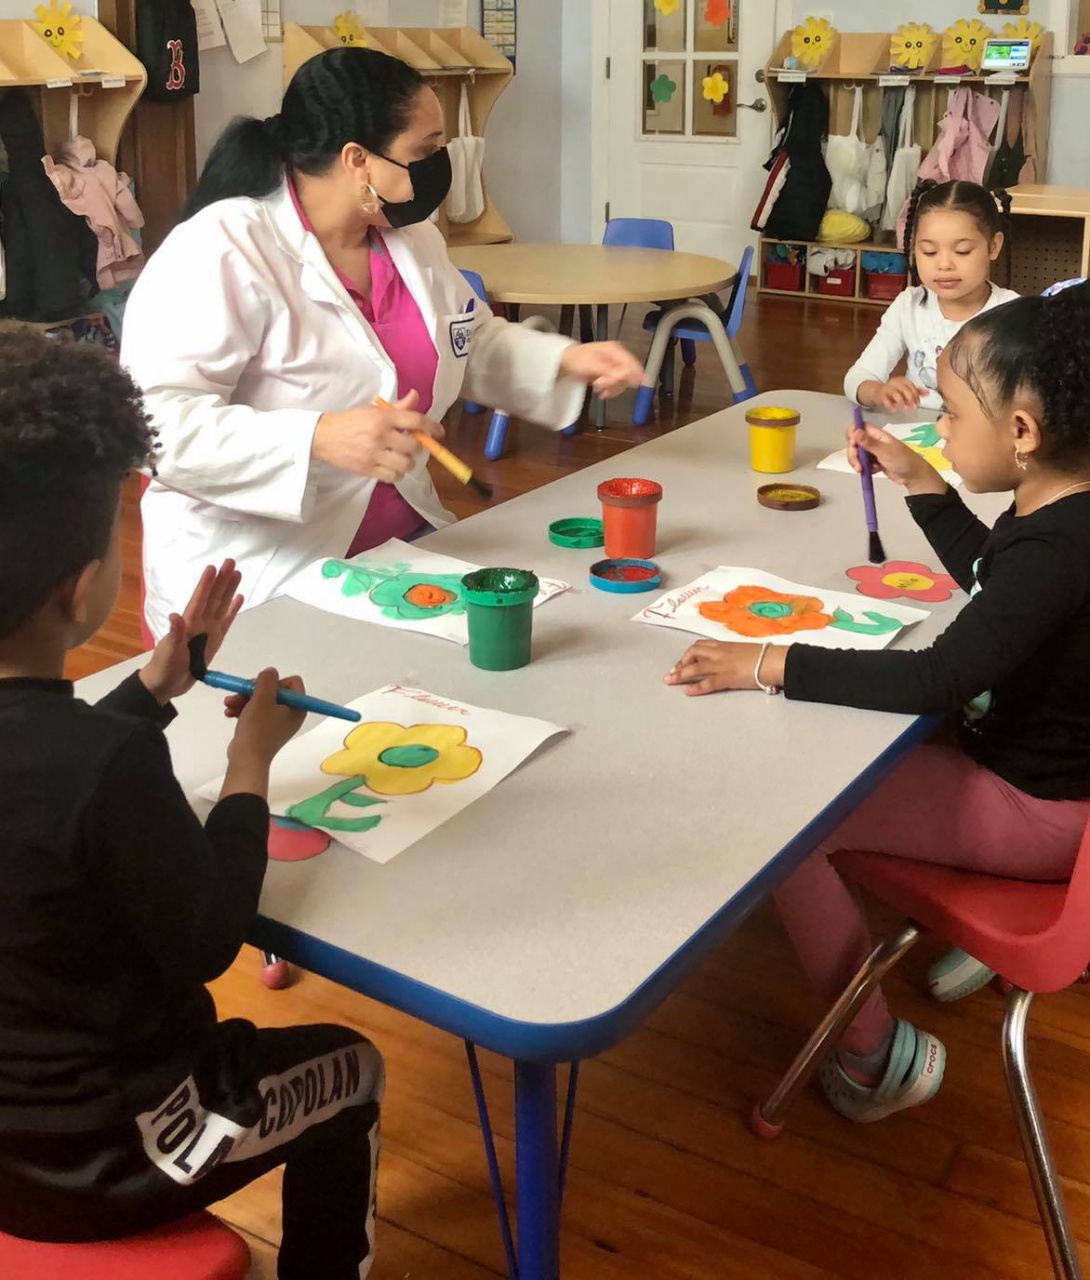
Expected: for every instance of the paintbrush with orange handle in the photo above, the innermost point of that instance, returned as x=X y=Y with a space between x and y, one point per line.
x=457 y=468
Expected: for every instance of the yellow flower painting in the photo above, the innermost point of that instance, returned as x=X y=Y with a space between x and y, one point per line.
x=811 y=42
x=963 y=44
x=397 y=760
x=912 y=45
x=61 y=27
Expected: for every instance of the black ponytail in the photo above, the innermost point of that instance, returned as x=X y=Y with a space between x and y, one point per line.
x=340 y=96
x=1039 y=346
x=990 y=210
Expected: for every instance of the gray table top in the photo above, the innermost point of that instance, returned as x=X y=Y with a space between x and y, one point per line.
x=558 y=895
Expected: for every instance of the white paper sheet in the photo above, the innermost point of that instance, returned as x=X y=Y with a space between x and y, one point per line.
x=921 y=438
x=397 y=585
x=748 y=604
x=452 y=13
x=414 y=761
x=209 y=28
x=243 y=27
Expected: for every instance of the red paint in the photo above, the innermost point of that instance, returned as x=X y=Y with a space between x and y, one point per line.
x=627 y=573
x=289 y=844
x=630 y=517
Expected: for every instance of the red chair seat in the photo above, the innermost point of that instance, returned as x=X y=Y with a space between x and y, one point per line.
x=199 y=1247
x=1017 y=927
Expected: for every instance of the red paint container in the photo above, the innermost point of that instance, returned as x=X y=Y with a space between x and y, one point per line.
x=630 y=517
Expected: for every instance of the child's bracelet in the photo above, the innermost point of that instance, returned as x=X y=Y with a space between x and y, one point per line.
x=770 y=689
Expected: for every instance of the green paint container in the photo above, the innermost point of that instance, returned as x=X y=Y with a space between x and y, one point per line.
x=500 y=613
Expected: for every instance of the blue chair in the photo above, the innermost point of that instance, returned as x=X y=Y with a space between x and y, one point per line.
x=690 y=329
x=477 y=285
x=639 y=233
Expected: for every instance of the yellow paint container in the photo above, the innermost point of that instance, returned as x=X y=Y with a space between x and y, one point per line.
x=772 y=434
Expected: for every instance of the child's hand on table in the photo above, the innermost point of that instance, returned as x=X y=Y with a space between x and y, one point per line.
x=894 y=395
x=264 y=727
x=903 y=465
x=711 y=666
x=212 y=608
x=607 y=367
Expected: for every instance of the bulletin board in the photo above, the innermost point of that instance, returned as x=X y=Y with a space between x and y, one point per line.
x=499 y=26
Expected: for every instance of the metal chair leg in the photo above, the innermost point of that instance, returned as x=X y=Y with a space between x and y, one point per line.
x=1031 y=1129
x=767 y=1117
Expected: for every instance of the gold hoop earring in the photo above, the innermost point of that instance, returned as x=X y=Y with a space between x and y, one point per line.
x=373 y=204
x=1021 y=460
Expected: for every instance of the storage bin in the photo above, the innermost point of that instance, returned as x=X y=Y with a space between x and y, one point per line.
x=839 y=283
x=883 y=285
x=785 y=275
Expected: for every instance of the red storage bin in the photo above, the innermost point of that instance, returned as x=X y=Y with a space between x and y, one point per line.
x=883 y=285
x=785 y=275
x=840 y=284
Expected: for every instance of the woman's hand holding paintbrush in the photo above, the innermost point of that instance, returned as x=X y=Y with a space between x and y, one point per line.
x=380 y=441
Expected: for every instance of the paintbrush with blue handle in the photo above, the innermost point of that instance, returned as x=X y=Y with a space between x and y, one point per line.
x=866 y=475
x=198 y=668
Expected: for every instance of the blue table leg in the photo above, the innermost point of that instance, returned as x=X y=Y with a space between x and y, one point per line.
x=537 y=1172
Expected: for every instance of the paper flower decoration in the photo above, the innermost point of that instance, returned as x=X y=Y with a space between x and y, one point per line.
x=399 y=761
x=903 y=578
x=912 y=45
x=811 y=41
x=667 y=7
x=1023 y=29
x=663 y=88
x=349 y=29
x=716 y=88
x=61 y=27
x=963 y=44
x=717 y=13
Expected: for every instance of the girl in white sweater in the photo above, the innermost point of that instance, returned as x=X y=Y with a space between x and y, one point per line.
x=954 y=232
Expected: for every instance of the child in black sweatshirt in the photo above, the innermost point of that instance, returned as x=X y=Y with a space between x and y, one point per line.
x=124 y=1104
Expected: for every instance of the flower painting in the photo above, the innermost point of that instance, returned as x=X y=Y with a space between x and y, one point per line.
x=904 y=580
x=921 y=437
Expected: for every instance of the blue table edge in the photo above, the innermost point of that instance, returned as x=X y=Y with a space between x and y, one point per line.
x=573 y=1041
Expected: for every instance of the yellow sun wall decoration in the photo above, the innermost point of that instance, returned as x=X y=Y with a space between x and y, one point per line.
x=811 y=42
x=348 y=28
x=62 y=28
x=963 y=44
x=912 y=45
x=1023 y=29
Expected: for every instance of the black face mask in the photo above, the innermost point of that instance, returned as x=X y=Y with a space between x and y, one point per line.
x=431 y=179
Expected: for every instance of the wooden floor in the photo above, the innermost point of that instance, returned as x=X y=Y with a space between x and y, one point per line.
x=666 y=1181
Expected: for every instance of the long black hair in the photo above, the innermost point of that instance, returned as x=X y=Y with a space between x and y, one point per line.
x=338 y=97
x=1039 y=346
x=990 y=210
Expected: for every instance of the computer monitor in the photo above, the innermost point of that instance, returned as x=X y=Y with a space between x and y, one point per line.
x=1007 y=55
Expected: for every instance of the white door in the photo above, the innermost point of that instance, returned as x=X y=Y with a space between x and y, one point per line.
x=682 y=146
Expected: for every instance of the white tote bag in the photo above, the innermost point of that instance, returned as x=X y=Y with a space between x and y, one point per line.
x=846 y=159
x=466 y=200
x=905 y=168
x=877 y=180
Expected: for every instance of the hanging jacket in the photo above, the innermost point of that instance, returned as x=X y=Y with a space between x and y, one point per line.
x=43 y=240
x=94 y=190
x=804 y=197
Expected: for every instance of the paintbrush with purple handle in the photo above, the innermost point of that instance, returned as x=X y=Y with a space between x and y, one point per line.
x=877 y=551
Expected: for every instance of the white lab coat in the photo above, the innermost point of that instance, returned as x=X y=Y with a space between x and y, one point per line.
x=241 y=336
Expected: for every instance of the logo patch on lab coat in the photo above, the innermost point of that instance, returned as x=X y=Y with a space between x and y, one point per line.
x=461 y=335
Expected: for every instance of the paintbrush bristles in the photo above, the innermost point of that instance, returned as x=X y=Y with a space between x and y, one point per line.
x=485 y=490
x=877 y=551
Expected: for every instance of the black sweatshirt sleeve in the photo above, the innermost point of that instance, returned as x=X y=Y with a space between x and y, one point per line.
x=1035 y=585
x=187 y=895
x=130 y=698
x=956 y=535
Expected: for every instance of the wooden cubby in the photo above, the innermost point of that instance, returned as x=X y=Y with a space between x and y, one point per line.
x=447 y=57
x=862 y=59
x=107 y=78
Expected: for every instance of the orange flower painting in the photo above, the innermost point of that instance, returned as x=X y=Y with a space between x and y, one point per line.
x=760 y=612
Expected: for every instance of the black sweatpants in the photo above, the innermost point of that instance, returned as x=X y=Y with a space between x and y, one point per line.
x=304 y=1097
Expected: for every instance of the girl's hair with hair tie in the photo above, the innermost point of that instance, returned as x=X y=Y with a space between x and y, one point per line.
x=990 y=210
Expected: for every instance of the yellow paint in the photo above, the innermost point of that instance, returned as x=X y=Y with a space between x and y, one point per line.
x=771 y=448
x=933 y=454
x=908 y=581
x=364 y=746
x=62 y=28
x=770 y=414
x=811 y=42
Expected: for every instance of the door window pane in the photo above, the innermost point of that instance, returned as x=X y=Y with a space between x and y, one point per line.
x=664 y=96
x=717 y=26
x=715 y=87
x=665 y=23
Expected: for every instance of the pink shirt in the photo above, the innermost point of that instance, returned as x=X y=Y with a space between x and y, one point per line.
x=399 y=326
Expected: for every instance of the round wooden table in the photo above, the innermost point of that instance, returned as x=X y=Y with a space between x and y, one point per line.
x=592 y=275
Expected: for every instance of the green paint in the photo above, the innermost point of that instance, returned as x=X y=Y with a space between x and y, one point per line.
x=925 y=436
x=359 y=577
x=879 y=624
x=770 y=609
x=313 y=812
x=411 y=756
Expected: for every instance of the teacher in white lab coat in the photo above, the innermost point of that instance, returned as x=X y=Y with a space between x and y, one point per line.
x=305 y=283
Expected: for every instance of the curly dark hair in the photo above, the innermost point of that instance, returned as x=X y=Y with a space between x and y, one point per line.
x=1037 y=346
x=990 y=210
x=72 y=425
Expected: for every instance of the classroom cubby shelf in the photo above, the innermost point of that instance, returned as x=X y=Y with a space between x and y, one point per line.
x=447 y=57
x=107 y=78
x=862 y=59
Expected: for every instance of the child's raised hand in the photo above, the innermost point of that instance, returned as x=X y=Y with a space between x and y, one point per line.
x=897 y=394
x=212 y=608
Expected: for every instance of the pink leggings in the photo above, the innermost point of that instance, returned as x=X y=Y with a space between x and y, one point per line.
x=938 y=806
